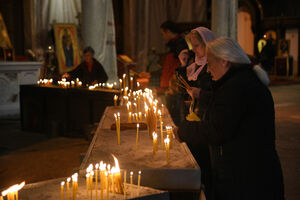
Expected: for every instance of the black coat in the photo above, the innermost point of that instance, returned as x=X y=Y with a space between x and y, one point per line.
x=239 y=127
x=97 y=74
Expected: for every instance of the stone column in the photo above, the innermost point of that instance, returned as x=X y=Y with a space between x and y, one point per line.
x=98 y=31
x=224 y=18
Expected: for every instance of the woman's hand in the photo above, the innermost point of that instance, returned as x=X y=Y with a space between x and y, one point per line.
x=194 y=92
x=184 y=57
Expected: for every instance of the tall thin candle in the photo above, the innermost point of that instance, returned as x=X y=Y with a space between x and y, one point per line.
x=62 y=190
x=139 y=183
x=137 y=136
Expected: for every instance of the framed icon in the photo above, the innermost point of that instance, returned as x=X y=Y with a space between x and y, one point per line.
x=67 y=48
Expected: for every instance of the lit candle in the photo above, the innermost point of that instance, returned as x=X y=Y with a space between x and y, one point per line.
x=167 y=144
x=73 y=187
x=62 y=190
x=131 y=182
x=127 y=105
x=125 y=172
x=124 y=83
x=119 y=127
x=140 y=116
x=162 y=109
x=154 y=142
x=115 y=100
x=137 y=136
x=117 y=117
x=91 y=183
x=129 y=117
x=102 y=183
x=79 y=83
x=72 y=84
x=138 y=85
x=161 y=128
x=125 y=91
x=107 y=186
x=87 y=185
x=139 y=183
x=76 y=183
x=96 y=177
x=131 y=83
x=68 y=192
x=170 y=134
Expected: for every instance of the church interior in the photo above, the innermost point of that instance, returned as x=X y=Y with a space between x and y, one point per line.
x=97 y=100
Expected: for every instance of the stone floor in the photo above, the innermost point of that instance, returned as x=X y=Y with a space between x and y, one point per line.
x=34 y=157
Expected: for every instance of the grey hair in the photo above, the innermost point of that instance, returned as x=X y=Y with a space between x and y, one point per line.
x=229 y=50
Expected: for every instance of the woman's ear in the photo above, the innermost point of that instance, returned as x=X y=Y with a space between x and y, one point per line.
x=225 y=63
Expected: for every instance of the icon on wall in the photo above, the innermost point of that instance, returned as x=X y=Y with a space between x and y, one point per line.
x=67 y=49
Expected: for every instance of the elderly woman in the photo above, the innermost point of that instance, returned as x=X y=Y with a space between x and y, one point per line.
x=239 y=127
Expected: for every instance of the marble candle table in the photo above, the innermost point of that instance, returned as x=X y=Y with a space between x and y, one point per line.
x=181 y=174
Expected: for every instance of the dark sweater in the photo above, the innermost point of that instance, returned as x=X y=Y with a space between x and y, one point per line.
x=97 y=73
x=239 y=126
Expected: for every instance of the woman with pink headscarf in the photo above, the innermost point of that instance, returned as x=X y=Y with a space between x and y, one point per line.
x=195 y=74
x=199 y=79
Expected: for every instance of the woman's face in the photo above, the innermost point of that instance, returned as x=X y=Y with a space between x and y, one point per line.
x=197 y=47
x=88 y=57
x=216 y=67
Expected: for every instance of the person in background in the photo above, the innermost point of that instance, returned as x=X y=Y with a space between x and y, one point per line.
x=267 y=55
x=90 y=71
x=175 y=44
x=239 y=127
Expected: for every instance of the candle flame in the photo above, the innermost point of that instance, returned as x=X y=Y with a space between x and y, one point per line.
x=137 y=125
x=117 y=167
x=68 y=179
x=167 y=140
x=62 y=183
x=140 y=172
x=154 y=135
x=97 y=166
x=131 y=173
x=102 y=166
x=13 y=189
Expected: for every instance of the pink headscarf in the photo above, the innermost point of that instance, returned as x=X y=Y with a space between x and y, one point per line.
x=207 y=36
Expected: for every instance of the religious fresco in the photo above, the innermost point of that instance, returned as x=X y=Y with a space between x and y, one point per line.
x=67 y=49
